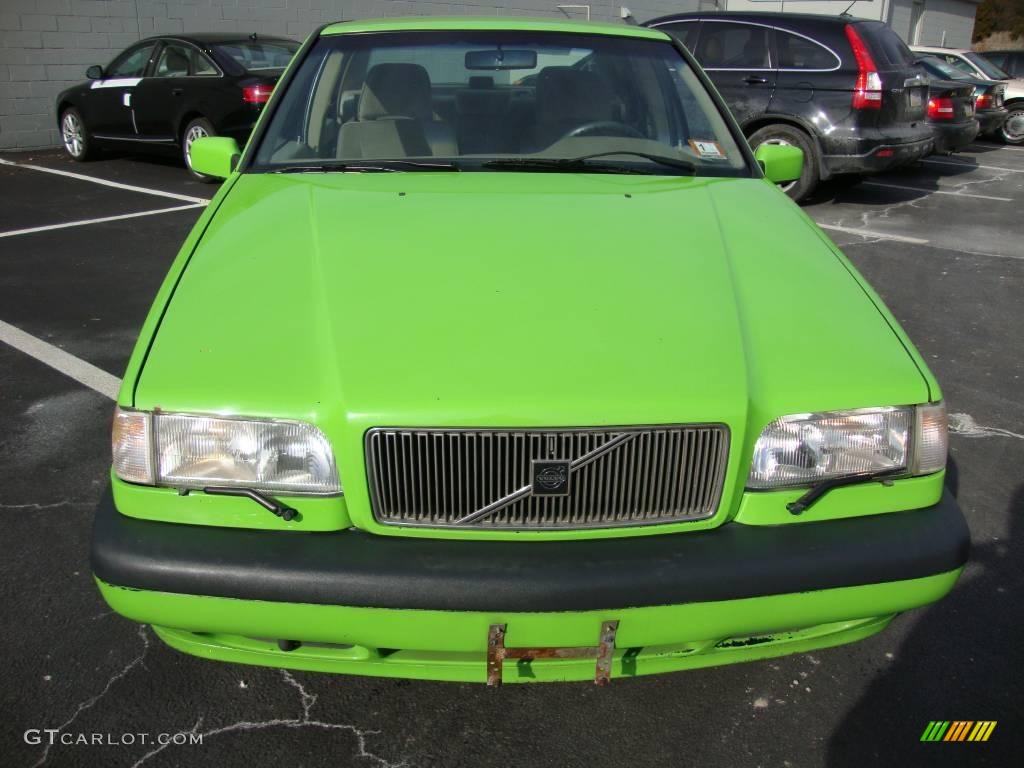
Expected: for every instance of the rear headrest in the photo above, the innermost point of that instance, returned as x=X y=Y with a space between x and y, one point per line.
x=564 y=93
x=396 y=90
x=174 y=62
x=712 y=53
x=481 y=81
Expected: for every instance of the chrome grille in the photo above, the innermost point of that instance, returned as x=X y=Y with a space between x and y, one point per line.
x=620 y=476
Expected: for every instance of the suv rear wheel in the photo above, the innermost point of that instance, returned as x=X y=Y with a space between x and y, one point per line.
x=780 y=133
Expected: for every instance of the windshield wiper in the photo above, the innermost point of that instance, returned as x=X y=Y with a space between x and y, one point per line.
x=560 y=165
x=814 y=494
x=283 y=511
x=679 y=163
x=582 y=163
x=372 y=166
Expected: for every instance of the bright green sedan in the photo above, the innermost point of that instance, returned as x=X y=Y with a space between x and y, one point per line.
x=499 y=356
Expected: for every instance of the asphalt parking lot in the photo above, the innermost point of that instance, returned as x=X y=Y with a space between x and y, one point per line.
x=943 y=243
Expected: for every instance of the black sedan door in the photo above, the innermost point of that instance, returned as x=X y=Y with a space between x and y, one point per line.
x=181 y=79
x=107 y=106
x=736 y=56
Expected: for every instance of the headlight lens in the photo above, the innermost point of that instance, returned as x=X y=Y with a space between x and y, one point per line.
x=187 y=451
x=807 y=448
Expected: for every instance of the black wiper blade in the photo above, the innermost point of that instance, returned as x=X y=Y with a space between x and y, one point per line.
x=679 y=163
x=274 y=506
x=814 y=494
x=583 y=163
x=558 y=165
x=376 y=166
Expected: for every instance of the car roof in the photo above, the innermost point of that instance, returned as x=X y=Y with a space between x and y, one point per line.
x=937 y=49
x=217 y=38
x=773 y=16
x=503 y=24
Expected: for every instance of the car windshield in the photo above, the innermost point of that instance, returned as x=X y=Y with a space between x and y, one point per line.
x=986 y=66
x=939 y=68
x=259 y=55
x=494 y=101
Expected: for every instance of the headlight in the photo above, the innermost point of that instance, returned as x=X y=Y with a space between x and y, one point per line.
x=186 y=451
x=807 y=448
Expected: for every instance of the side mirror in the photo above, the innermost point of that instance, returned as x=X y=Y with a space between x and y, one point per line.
x=214 y=156
x=782 y=163
x=95 y=72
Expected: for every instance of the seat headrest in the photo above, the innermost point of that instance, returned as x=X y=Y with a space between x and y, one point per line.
x=396 y=90
x=755 y=52
x=175 y=62
x=712 y=54
x=567 y=93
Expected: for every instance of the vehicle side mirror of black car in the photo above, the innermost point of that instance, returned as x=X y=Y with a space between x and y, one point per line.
x=95 y=72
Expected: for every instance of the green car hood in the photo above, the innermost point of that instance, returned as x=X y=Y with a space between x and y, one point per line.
x=517 y=299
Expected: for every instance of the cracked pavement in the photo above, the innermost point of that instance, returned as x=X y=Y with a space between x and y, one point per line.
x=955 y=282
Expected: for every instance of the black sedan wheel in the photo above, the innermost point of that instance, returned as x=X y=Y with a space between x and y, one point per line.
x=794 y=137
x=1012 y=131
x=72 y=132
x=197 y=129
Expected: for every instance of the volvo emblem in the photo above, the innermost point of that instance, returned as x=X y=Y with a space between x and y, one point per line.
x=551 y=477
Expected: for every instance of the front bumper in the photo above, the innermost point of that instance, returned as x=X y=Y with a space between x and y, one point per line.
x=953 y=137
x=422 y=608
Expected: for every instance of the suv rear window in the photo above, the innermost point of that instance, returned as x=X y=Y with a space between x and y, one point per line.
x=887 y=44
x=797 y=52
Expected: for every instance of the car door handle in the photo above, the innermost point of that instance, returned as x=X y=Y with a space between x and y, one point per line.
x=755 y=80
x=176 y=91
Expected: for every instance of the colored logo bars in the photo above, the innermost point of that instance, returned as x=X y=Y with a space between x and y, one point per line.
x=958 y=730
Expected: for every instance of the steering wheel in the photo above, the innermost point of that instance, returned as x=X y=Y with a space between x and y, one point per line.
x=603 y=128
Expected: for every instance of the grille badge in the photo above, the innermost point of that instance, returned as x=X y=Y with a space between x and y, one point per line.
x=551 y=477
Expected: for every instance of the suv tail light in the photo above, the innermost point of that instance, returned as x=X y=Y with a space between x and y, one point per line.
x=940 y=109
x=257 y=94
x=867 y=93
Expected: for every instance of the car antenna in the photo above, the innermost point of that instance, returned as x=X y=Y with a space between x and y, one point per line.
x=847 y=11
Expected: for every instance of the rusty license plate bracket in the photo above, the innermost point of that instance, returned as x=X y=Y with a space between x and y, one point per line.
x=497 y=652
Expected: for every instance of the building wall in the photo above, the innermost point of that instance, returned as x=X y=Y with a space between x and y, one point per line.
x=46 y=45
x=947 y=22
x=900 y=12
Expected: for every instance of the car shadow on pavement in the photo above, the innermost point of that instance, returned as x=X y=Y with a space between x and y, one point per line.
x=939 y=673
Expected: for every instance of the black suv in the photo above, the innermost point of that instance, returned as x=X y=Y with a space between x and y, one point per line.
x=844 y=90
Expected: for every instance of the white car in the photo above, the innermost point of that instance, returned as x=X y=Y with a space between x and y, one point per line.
x=977 y=65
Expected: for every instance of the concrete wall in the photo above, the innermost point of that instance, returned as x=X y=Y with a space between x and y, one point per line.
x=45 y=45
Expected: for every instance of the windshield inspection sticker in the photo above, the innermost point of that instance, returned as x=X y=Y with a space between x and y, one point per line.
x=707 y=150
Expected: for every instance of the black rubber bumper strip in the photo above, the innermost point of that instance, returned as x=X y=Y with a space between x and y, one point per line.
x=359 y=569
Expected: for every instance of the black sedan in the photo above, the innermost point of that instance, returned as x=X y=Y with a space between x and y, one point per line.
x=166 y=92
x=951 y=115
x=988 y=94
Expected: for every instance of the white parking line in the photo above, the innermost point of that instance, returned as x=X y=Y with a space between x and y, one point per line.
x=973 y=165
x=870 y=233
x=55 y=357
x=936 y=191
x=103 y=220
x=106 y=183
